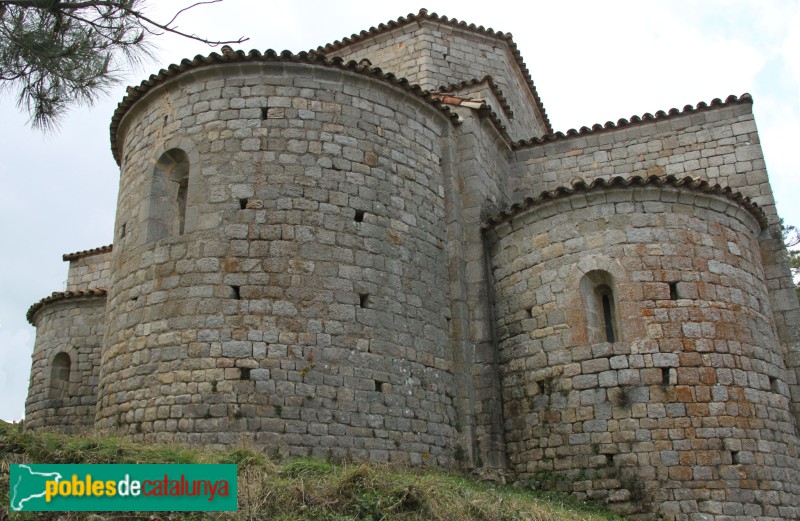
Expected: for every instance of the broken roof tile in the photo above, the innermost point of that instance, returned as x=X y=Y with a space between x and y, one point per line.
x=492 y=86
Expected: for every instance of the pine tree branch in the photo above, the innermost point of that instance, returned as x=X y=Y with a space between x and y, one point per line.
x=139 y=15
x=56 y=53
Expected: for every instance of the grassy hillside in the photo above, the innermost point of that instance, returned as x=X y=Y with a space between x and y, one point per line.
x=300 y=489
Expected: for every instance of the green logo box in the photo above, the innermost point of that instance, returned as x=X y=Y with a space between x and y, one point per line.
x=122 y=487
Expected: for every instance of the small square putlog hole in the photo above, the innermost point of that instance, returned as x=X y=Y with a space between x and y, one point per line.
x=236 y=292
x=363 y=300
x=244 y=373
x=359 y=217
x=242 y=203
x=673 y=291
x=735 y=457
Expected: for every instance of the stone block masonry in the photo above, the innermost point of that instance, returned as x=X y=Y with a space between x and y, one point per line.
x=66 y=361
x=692 y=382
x=304 y=306
x=318 y=257
x=89 y=269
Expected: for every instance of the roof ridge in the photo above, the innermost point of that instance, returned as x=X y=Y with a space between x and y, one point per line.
x=229 y=56
x=492 y=86
x=581 y=185
x=87 y=253
x=63 y=295
x=635 y=120
x=453 y=22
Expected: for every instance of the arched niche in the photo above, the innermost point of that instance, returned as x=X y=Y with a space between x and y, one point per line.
x=600 y=304
x=60 y=373
x=168 y=195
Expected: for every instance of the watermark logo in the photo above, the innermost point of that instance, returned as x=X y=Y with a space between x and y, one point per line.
x=122 y=487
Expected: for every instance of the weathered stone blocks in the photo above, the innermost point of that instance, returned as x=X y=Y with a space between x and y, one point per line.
x=693 y=360
x=274 y=293
x=66 y=363
x=299 y=263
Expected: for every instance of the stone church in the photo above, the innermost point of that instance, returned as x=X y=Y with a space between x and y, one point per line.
x=380 y=250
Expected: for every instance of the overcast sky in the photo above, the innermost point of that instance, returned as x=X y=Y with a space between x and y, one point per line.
x=591 y=62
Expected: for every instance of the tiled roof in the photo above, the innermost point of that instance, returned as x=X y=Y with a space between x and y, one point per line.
x=637 y=120
x=478 y=106
x=476 y=81
x=687 y=183
x=423 y=15
x=458 y=101
x=87 y=253
x=63 y=295
x=230 y=56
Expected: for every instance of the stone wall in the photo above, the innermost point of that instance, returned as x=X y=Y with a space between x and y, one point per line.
x=306 y=260
x=89 y=272
x=719 y=144
x=435 y=55
x=305 y=305
x=477 y=182
x=685 y=409
x=65 y=364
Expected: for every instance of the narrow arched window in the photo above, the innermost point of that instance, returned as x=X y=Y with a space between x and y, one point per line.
x=601 y=308
x=59 y=375
x=169 y=192
x=606 y=301
x=180 y=204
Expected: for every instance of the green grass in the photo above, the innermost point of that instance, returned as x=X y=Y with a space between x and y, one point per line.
x=299 y=489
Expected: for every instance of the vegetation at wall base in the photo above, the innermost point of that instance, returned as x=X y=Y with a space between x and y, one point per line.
x=298 y=489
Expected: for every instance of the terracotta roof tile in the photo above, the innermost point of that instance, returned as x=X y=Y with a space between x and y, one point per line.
x=636 y=120
x=458 y=101
x=480 y=107
x=87 y=253
x=688 y=183
x=492 y=86
x=312 y=58
x=423 y=15
x=63 y=295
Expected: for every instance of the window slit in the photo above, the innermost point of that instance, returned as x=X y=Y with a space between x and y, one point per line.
x=665 y=377
x=608 y=319
x=183 y=187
